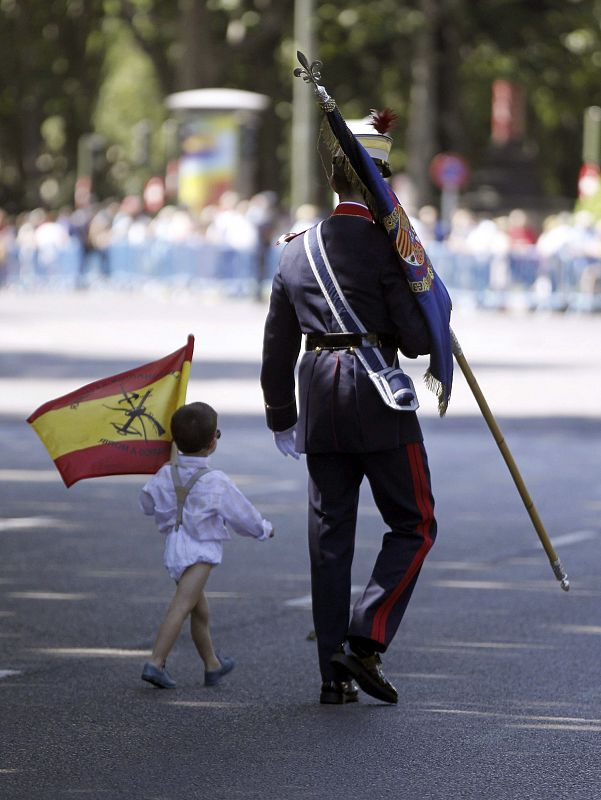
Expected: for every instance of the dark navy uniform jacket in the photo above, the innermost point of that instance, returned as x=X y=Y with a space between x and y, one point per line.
x=339 y=408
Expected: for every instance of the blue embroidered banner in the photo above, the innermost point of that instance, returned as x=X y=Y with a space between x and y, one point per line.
x=428 y=288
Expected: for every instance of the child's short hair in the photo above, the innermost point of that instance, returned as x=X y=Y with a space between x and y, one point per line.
x=193 y=427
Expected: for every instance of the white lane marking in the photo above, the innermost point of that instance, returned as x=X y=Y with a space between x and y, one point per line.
x=100 y=652
x=529 y=721
x=205 y=704
x=51 y=475
x=594 y=630
x=306 y=602
x=19 y=523
x=530 y=586
x=38 y=475
x=574 y=537
x=51 y=596
x=523 y=586
x=299 y=602
x=6 y=673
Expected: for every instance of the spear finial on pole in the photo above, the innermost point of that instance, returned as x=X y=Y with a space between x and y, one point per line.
x=311 y=73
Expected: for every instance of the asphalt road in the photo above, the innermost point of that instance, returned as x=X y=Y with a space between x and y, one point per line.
x=499 y=671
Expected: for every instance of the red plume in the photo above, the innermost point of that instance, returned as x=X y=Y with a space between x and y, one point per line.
x=383 y=121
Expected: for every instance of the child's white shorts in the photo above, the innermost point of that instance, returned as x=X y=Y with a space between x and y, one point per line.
x=181 y=551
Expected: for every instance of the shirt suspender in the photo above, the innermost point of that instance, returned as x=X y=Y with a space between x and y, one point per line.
x=183 y=490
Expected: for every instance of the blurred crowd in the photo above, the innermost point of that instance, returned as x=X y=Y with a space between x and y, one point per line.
x=547 y=254
x=34 y=242
x=471 y=252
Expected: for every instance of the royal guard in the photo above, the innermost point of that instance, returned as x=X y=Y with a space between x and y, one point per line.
x=341 y=285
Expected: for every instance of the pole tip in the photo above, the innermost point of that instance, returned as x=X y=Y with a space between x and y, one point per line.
x=565 y=585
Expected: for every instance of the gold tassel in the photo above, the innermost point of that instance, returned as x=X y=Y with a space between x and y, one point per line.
x=435 y=386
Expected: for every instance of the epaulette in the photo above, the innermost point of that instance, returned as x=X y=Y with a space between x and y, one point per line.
x=288 y=237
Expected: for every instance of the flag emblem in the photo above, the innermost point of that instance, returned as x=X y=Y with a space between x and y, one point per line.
x=135 y=415
x=429 y=290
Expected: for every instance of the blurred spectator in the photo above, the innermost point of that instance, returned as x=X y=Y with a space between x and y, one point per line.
x=585 y=236
x=100 y=236
x=79 y=223
x=26 y=244
x=232 y=244
x=590 y=281
x=172 y=224
x=263 y=214
x=235 y=238
x=556 y=235
x=7 y=244
x=520 y=230
x=462 y=224
x=306 y=216
x=129 y=222
x=427 y=225
x=489 y=240
x=51 y=238
x=230 y=227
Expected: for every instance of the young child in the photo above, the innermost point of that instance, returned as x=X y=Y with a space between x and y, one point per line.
x=191 y=504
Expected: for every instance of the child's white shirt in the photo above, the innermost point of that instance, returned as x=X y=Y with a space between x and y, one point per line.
x=213 y=502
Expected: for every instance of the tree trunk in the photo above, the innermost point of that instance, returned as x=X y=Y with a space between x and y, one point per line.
x=451 y=128
x=199 y=66
x=422 y=135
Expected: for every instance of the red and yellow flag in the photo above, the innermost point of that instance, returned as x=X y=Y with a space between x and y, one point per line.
x=118 y=425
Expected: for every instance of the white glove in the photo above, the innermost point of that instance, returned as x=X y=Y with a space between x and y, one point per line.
x=284 y=441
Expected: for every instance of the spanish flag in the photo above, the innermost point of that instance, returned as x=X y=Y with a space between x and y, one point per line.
x=118 y=425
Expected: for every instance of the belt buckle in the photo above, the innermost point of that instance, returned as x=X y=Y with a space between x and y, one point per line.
x=371 y=339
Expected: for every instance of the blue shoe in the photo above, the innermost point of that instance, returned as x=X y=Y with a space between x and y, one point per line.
x=213 y=677
x=158 y=677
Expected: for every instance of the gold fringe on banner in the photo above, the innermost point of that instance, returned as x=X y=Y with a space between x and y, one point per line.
x=332 y=144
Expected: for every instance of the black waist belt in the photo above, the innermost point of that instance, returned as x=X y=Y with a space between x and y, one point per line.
x=342 y=341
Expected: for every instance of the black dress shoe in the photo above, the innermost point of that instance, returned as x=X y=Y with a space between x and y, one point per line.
x=367 y=671
x=338 y=692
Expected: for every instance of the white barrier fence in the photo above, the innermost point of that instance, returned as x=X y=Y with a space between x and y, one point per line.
x=517 y=279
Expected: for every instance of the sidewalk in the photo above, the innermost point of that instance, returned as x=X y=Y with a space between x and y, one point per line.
x=526 y=364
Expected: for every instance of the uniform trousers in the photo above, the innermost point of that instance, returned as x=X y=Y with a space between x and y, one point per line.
x=400 y=484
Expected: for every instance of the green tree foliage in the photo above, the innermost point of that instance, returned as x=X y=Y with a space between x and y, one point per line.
x=553 y=49
x=49 y=71
x=75 y=67
x=128 y=114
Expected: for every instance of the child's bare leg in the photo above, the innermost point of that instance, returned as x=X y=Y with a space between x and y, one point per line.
x=201 y=634
x=187 y=594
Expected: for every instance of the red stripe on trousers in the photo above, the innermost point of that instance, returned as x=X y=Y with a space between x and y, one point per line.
x=422 y=498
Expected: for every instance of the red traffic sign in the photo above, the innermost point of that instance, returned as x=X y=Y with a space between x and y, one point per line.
x=589 y=179
x=449 y=171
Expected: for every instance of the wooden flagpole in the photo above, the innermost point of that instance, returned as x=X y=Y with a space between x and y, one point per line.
x=556 y=565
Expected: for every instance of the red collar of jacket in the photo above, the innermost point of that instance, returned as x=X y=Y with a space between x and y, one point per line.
x=350 y=209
